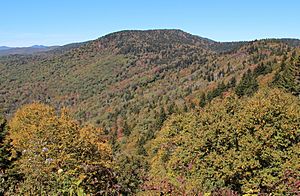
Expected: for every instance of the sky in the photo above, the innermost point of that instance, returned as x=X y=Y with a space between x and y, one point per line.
x=59 y=22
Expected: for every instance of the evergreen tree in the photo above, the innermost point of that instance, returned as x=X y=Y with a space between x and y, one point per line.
x=248 y=85
x=202 y=100
x=262 y=69
x=217 y=91
x=4 y=146
x=288 y=77
x=8 y=177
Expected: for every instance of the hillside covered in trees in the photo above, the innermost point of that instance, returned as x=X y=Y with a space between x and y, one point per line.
x=150 y=113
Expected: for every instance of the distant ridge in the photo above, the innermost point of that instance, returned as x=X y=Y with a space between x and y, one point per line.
x=5 y=50
x=164 y=36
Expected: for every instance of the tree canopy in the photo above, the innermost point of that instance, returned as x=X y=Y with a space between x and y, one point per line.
x=57 y=154
x=248 y=145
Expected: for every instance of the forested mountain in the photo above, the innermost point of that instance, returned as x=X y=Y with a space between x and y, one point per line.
x=174 y=107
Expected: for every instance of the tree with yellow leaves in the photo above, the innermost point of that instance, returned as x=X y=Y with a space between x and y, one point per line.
x=58 y=155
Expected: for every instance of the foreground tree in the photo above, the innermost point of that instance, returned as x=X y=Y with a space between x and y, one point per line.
x=59 y=156
x=7 y=179
x=246 y=145
x=4 y=146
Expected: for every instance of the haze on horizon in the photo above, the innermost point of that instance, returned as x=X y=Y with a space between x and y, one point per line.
x=27 y=23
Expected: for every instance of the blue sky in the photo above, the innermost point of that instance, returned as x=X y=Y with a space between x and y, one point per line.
x=57 y=22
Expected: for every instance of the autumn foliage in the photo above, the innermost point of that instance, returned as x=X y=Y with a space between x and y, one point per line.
x=249 y=146
x=57 y=155
x=158 y=112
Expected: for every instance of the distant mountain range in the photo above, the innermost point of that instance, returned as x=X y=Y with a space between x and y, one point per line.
x=5 y=50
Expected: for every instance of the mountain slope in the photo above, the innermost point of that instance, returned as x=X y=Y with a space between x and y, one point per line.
x=133 y=79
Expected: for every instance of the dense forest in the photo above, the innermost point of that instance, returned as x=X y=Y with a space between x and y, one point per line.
x=158 y=112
